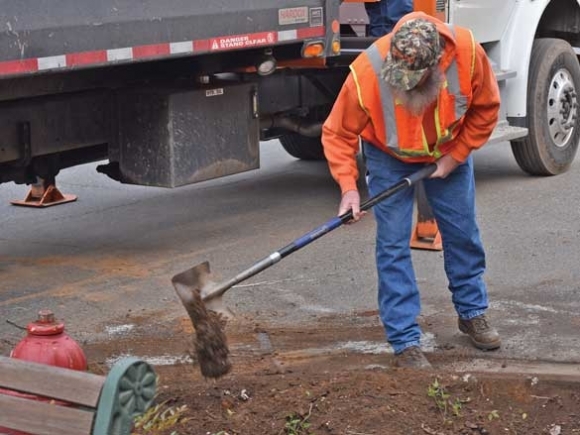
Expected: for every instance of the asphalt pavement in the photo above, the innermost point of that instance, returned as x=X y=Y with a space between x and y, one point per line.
x=103 y=264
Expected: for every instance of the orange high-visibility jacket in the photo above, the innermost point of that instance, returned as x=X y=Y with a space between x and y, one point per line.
x=463 y=117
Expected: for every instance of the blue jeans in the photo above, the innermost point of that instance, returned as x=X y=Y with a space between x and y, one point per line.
x=383 y=15
x=453 y=203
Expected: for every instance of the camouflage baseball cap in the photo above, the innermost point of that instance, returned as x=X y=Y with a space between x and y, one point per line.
x=415 y=47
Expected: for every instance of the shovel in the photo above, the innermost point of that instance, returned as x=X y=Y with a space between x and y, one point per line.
x=202 y=297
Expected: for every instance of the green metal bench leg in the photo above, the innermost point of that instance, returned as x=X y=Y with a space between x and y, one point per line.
x=128 y=391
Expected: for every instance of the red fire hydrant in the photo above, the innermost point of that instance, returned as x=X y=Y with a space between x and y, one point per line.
x=46 y=343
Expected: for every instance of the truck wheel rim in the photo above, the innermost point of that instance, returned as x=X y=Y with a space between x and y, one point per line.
x=562 y=107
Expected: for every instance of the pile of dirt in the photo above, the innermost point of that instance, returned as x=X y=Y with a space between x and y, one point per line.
x=335 y=377
x=359 y=395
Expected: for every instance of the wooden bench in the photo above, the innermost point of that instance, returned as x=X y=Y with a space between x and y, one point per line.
x=45 y=400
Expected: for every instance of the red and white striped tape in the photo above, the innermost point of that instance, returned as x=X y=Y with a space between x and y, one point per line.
x=127 y=54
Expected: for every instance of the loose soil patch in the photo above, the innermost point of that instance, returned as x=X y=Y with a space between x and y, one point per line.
x=295 y=383
x=320 y=397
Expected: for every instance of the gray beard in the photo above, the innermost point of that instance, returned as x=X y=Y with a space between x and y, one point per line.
x=416 y=100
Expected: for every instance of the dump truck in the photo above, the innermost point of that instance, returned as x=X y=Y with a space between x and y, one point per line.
x=176 y=92
x=163 y=93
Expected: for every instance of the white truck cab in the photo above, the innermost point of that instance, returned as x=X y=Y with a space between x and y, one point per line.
x=533 y=45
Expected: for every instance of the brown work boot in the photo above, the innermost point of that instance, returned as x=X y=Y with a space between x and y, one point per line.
x=412 y=358
x=482 y=335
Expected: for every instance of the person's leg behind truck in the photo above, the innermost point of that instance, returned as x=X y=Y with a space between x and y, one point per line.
x=384 y=14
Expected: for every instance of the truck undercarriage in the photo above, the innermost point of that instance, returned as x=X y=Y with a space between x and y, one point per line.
x=176 y=103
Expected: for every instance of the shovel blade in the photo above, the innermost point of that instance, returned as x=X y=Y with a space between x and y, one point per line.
x=199 y=278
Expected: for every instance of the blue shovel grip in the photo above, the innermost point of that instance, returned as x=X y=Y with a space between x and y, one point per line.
x=318 y=232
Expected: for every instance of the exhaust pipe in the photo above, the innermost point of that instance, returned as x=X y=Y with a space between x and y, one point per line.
x=313 y=129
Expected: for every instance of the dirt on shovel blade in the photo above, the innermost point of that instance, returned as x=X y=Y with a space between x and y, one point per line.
x=210 y=341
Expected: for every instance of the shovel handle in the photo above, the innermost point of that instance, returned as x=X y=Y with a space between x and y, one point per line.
x=405 y=182
x=318 y=232
x=346 y=217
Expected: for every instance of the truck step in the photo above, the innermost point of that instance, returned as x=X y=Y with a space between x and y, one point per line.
x=504 y=132
x=502 y=75
x=352 y=46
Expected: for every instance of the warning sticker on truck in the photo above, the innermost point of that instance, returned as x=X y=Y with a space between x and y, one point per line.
x=243 y=41
x=292 y=16
x=316 y=17
x=165 y=49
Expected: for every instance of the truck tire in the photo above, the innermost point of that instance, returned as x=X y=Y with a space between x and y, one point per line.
x=302 y=147
x=553 y=121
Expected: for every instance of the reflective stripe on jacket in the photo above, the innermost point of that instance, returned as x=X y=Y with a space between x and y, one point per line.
x=400 y=131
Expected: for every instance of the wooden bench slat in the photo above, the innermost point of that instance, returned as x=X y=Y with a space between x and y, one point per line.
x=40 y=417
x=43 y=380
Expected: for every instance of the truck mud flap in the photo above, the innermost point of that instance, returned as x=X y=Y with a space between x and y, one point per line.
x=172 y=137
